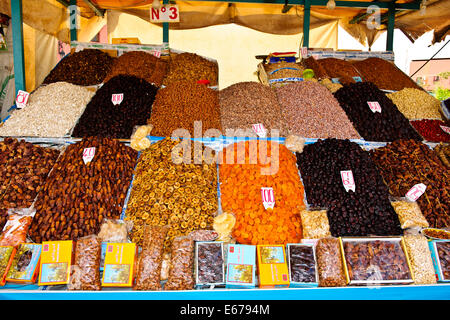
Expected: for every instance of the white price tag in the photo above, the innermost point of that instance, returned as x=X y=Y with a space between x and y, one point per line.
x=374 y=106
x=260 y=130
x=88 y=154
x=347 y=180
x=415 y=192
x=304 y=52
x=445 y=129
x=167 y=13
x=117 y=98
x=268 y=197
x=22 y=99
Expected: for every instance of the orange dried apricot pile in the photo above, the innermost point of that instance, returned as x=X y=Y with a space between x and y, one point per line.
x=241 y=180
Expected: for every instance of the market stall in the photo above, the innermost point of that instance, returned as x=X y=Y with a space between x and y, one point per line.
x=316 y=183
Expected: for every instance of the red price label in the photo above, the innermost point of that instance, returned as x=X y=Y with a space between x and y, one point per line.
x=88 y=154
x=415 y=192
x=22 y=99
x=260 y=130
x=374 y=106
x=445 y=129
x=117 y=98
x=268 y=197
x=347 y=180
x=167 y=13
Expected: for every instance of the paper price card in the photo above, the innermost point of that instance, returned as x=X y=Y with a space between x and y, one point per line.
x=347 y=180
x=445 y=129
x=167 y=13
x=268 y=197
x=415 y=192
x=22 y=99
x=117 y=98
x=88 y=154
x=374 y=106
x=304 y=52
x=260 y=130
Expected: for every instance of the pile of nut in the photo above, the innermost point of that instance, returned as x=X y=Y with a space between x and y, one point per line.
x=182 y=103
x=416 y=104
x=246 y=103
x=23 y=171
x=191 y=67
x=77 y=197
x=367 y=211
x=388 y=125
x=85 y=68
x=183 y=195
x=405 y=163
x=52 y=111
x=139 y=64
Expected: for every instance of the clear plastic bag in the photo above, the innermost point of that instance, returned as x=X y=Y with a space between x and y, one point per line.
x=16 y=227
x=181 y=265
x=116 y=231
x=210 y=263
x=329 y=263
x=315 y=224
x=85 y=274
x=223 y=224
x=295 y=143
x=150 y=260
x=420 y=258
x=409 y=214
x=204 y=235
x=302 y=263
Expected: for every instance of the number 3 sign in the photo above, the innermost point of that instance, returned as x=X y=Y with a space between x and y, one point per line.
x=167 y=13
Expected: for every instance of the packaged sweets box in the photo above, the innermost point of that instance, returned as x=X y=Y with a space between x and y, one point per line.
x=119 y=265
x=25 y=264
x=440 y=253
x=6 y=258
x=56 y=261
x=241 y=266
x=302 y=265
x=272 y=266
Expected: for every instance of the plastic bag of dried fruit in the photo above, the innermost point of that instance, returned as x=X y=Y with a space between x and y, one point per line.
x=181 y=269
x=16 y=227
x=315 y=223
x=85 y=272
x=409 y=213
x=223 y=224
x=150 y=260
x=295 y=143
x=139 y=140
x=115 y=230
x=330 y=266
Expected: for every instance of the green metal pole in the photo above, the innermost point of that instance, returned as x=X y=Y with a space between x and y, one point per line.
x=390 y=27
x=165 y=27
x=306 y=22
x=73 y=19
x=18 y=49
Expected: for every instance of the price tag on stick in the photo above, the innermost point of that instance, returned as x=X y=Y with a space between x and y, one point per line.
x=347 y=180
x=415 y=192
x=117 y=98
x=374 y=106
x=22 y=99
x=260 y=130
x=88 y=154
x=268 y=197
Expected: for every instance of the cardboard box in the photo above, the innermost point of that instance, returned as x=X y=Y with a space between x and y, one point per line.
x=272 y=266
x=6 y=258
x=56 y=261
x=119 y=267
x=442 y=270
x=25 y=265
x=241 y=266
x=305 y=263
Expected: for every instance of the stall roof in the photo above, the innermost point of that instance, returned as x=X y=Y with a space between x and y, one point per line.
x=51 y=15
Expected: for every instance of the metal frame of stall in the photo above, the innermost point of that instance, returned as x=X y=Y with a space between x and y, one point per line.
x=410 y=292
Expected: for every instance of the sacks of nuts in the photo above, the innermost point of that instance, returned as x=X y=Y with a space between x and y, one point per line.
x=79 y=194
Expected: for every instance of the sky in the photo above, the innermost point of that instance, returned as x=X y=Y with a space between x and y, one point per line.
x=404 y=50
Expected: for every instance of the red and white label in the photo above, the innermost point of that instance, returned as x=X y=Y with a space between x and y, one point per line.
x=22 y=99
x=88 y=154
x=347 y=180
x=445 y=129
x=260 y=130
x=167 y=13
x=415 y=192
x=117 y=98
x=374 y=106
x=304 y=52
x=268 y=197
